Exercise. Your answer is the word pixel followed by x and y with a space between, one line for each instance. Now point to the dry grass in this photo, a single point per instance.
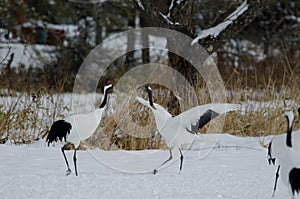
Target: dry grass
pixel 264 92
pixel 264 96
pixel 131 126
pixel 25 117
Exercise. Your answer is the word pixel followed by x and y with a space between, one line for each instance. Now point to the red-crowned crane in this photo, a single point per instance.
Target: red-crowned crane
pixel 77 127
pixel 180 130
pixel 286 149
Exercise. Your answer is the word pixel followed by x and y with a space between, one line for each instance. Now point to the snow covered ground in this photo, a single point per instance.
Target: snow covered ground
pixel 236 168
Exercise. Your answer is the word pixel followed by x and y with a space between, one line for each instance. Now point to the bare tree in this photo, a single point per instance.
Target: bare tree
pixel 182 16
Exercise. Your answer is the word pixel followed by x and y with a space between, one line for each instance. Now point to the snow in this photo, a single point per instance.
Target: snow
pixel 240 10
pixel 70 31
pixel 170 8
pixel 168 16
pixel 27 55
pixel 236 168
pixel 294 18
pixel 167 19
pixel 140 4
pixel 157 46
pixel 216 30
pixel 6 36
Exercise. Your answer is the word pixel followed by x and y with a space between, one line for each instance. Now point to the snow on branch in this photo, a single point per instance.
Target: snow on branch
pixel 216 30
pixel 293 18
pixel 170 9
pixel 240 10
pixel 166 18
pixel 139 3
pixel 173 5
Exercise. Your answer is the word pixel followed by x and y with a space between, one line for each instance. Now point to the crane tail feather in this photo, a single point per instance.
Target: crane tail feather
pixel 59 130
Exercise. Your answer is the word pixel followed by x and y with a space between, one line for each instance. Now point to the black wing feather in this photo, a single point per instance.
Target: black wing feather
pixel 59 130
pixel 204 119
pixel 294 178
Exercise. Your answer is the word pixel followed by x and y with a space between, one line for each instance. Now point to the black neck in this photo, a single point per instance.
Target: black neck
pixel 150 99
pixel 289 134
pixel 104 100
pixel 270 149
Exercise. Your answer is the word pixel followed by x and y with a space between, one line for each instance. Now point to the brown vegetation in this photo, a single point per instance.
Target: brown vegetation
pixel 265 92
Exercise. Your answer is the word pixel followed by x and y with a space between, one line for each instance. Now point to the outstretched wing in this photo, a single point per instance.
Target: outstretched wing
pixel 195 118
pixel 204 119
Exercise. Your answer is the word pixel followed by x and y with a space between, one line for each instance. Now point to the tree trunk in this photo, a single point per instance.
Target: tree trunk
pixel 183 14
pixel 145 40
pixel 129 60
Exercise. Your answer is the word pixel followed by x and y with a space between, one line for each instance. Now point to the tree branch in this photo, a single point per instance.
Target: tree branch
pixel 175 17
pixel 254 8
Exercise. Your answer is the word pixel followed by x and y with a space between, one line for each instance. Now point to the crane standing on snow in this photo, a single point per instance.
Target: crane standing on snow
pixel 77 127
pixel 286 149
pixel 181 129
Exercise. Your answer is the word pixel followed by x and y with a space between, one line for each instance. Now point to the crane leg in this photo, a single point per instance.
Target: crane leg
pixel 63 151
pixel 275 185
pixel 170 158
pixel 75 159
pixel 181 160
